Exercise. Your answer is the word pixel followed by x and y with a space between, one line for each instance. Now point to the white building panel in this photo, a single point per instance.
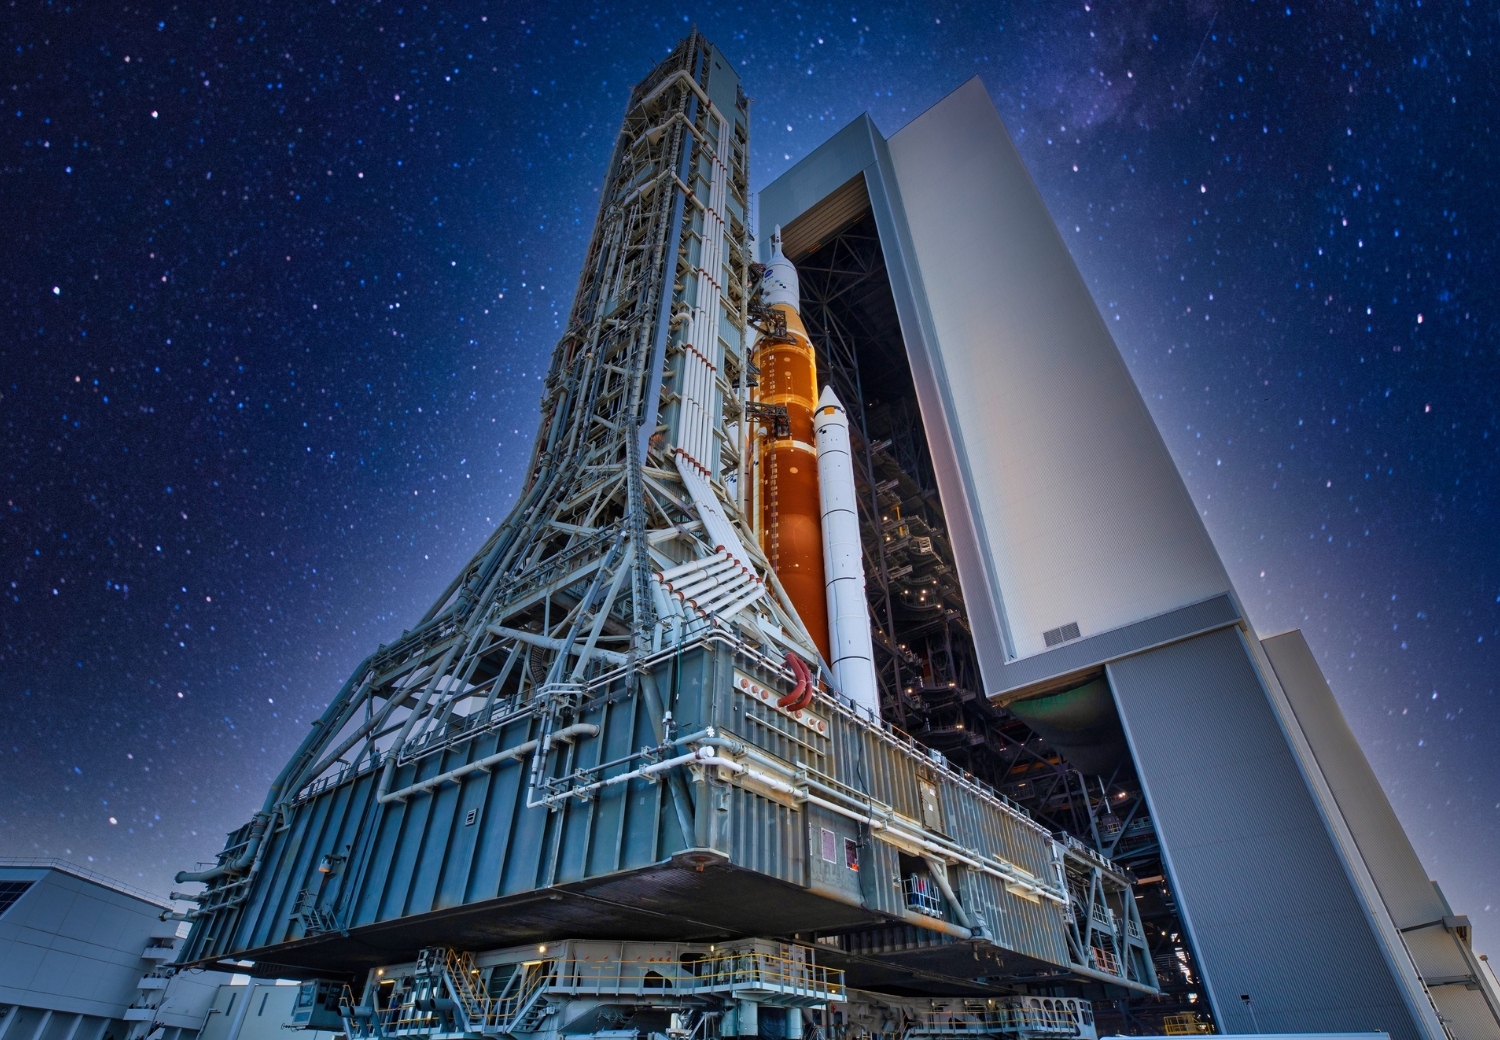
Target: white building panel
pixel 73 945
pixel 1080 509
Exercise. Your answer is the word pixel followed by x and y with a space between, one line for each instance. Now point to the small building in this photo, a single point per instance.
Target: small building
pixel 256 1009
pixel 84 957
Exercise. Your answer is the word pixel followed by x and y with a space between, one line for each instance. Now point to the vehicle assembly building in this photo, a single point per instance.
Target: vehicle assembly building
pixel 853 661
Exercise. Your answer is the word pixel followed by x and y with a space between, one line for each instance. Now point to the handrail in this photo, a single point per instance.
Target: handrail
pixel 1011 1017
pixel 66 867
pixel 739 969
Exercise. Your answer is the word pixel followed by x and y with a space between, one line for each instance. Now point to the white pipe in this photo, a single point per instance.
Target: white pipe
pixel 744 601
pixel 715 524
pixel 584 729
pixel 666 606
pixel 549 643
pixel 714 585
pixel 688 395
pixel 843 557
pixel 697 578
pixel 724 585
pixel 707 375
pixel 707 587
pixel 693 565
pixel 726 594
pixel 702 754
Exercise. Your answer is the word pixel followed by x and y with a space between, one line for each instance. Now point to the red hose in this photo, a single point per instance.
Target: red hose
pixel 806 677
pixel 802 694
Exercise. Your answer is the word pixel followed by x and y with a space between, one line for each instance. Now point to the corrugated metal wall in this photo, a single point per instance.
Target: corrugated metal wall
pixel 475 840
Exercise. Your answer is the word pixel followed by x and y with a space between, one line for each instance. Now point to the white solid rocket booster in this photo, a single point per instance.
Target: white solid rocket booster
pixel 843 559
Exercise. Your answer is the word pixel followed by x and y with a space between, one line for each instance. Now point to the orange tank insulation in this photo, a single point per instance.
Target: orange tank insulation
pixel 791 522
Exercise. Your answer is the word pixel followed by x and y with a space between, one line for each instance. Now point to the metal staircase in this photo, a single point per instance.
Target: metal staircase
pixel 445 996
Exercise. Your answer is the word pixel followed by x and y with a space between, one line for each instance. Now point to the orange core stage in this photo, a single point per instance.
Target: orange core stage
pixel 790 512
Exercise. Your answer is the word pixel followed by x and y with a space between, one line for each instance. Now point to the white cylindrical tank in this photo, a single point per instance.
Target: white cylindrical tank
pixel 843 558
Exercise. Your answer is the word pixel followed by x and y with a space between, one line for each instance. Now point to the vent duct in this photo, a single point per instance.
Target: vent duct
pixel 1055 636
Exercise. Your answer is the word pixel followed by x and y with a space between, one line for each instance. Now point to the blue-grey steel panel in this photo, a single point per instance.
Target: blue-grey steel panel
pixel 410 858
pixel 830 166
pixel 1262 887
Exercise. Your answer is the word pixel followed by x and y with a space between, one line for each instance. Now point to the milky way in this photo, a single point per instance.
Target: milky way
pixel 278 295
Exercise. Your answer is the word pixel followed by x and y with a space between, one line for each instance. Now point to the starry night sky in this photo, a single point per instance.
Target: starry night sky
pixel 278 290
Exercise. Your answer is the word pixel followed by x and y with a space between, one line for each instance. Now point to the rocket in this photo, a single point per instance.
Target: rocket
pixel 853 658
pixel 789 504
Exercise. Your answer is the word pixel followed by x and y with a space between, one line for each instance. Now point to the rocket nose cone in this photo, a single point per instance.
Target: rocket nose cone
pixel 829 411
pixel 779 283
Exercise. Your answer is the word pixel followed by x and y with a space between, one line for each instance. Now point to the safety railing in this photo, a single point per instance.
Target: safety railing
pixel 783 974
pixel 1184 1025
pixel 777 976
pixel 1106 961
pixel 922 895
pixel 51 863
pixel 1061 1019
pixel 345 773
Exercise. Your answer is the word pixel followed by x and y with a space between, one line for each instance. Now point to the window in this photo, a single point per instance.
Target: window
pixel 10 891
pixel 851 853
pixel 829 846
